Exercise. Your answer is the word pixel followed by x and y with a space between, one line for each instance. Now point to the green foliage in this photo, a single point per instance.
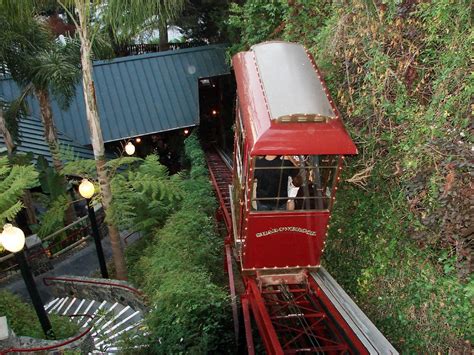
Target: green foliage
pixel 87 167
pixel 204 21
pixel 129 18
pixel 53 219
pixel 80 167
pixel 400 74
pixel 143 196
pixel 51 182
pixel 183 262
pixel 115 164
pixel 12 111
pixel 14 180
pixel 188 316
pixel 36 61
pixel 23 320
pixel 418 305
pixel 255 21
pixel 56 67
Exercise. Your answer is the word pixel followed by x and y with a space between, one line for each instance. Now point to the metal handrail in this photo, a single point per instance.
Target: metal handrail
pixel 104 283
pixel 63 229
pixel 53 346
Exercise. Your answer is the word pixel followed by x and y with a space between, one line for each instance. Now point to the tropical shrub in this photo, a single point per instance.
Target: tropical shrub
pixel 182 274
pixel 143 196
pixel 143 192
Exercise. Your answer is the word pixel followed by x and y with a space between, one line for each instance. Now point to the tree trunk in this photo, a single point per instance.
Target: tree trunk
pixel 7 137
pixel 163 30
pixel 82 7
pixel 51 136
pixel 30 211
pixel 50 133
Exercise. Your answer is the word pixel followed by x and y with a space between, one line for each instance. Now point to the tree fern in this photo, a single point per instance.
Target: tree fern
pixel 14 181
pixel 145 196
pixel 80 167
pixel 53 219
pixel 87 167
pixel 115 164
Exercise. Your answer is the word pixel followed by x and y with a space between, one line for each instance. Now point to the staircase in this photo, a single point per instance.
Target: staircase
pixel 108 321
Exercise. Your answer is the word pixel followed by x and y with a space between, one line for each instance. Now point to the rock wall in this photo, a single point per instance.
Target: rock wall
pixel 98 289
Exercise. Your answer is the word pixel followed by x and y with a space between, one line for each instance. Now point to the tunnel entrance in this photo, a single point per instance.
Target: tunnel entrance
pixel 216 111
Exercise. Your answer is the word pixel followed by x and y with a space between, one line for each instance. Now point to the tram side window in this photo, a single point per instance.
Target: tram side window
pixel 303 182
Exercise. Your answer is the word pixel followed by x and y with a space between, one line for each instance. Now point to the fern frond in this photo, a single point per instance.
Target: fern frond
pixel 83 167
pixel 53 219
pixel 143 197
pixel 114 164
pixel 68 153
pixel 15 181
pixel 11 212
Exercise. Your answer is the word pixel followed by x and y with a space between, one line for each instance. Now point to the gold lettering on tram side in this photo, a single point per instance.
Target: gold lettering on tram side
pixel 286 229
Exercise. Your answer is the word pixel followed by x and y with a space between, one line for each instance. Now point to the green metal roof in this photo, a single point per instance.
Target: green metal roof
pixel 140 94
pixel 31 138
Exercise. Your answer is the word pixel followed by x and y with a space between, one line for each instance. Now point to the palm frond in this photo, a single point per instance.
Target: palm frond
pixel 130 17
pixel 57 68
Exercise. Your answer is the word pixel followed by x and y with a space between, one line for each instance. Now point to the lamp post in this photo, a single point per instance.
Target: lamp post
pixel 13 240
pixel 86 189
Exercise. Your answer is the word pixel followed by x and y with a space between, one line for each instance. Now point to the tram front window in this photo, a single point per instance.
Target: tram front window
pixel 303 182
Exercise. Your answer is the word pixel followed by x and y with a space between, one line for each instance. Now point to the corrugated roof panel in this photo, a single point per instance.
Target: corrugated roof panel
pixel 137 90
pixel 140 94
pixel 161 95
pixel 32 140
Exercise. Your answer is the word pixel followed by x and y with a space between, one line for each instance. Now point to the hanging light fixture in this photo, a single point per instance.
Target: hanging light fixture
pixel 130 148
pixel 138 140
pixel 186 132
pixel 86 189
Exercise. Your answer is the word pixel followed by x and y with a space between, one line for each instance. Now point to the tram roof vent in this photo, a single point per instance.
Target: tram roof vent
pixel 292 86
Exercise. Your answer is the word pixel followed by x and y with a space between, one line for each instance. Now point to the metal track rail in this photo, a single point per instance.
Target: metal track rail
pixel 220 171
pixel 221 176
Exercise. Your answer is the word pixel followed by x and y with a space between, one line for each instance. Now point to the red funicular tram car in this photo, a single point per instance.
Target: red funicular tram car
pixel 289 150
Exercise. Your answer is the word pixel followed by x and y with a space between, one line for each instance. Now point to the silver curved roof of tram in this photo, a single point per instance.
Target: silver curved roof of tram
pixel 290 81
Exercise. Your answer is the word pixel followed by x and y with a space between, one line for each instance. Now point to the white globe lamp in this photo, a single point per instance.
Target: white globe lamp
pixel 12 238
pixel 130 148
pixel 86 189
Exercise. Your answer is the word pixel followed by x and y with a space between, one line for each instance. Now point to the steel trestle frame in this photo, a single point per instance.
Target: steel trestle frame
pixel 291 319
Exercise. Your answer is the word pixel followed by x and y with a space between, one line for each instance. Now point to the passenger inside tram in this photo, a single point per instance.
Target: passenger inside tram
pixel 272 173
pixel 303 182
